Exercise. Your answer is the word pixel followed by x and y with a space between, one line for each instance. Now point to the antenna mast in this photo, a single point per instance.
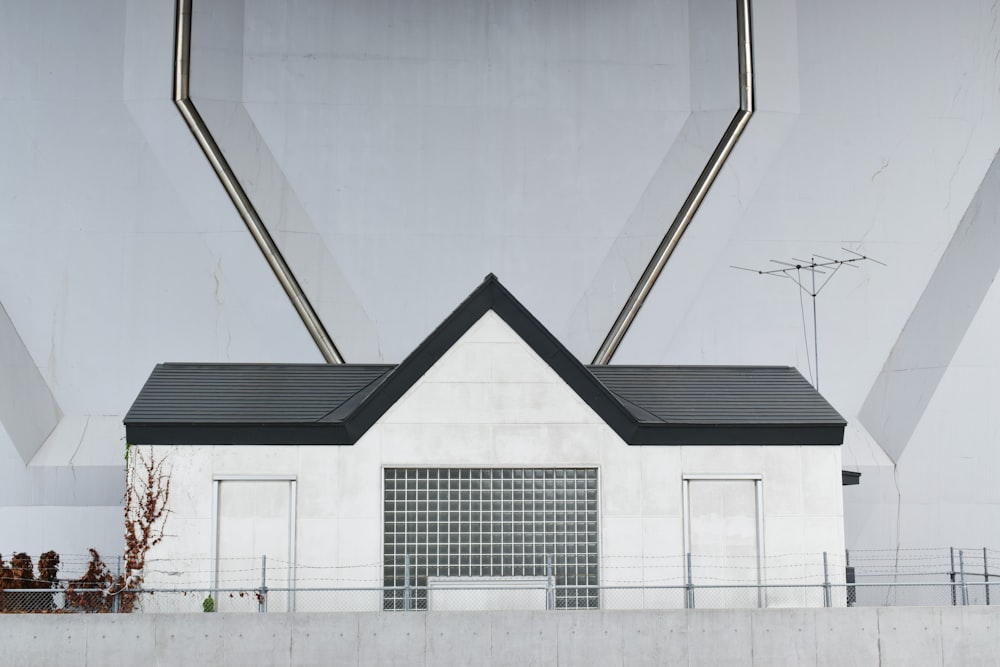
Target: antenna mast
pixel 817 264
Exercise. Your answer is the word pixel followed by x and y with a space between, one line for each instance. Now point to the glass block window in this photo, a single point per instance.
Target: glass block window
pixel 491 522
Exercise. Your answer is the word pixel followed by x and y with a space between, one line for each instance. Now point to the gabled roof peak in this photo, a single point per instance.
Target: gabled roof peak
pixel 491 295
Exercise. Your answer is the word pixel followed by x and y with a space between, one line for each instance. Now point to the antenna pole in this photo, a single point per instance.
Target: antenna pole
pixel 815 329
pixel 828 265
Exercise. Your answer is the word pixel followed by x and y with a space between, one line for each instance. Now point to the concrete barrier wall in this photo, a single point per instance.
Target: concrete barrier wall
pixel 885 636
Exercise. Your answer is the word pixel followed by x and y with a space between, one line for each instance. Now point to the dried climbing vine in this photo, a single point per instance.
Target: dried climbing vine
pixel 147 493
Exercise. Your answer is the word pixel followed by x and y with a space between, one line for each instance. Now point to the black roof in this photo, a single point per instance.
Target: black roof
pixel 205 404
pixel 717 394
pixel 336 404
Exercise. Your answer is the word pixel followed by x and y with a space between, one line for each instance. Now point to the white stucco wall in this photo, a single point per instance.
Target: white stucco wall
pixel 490 401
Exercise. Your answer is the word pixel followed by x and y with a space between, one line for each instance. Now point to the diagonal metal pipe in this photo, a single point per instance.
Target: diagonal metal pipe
pixel 701 187
pixel 182 98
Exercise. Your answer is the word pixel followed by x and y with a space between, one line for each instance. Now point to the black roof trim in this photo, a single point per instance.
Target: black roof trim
pixel 739 434
pixel 242 433
pixel 492 295
pixel 203 404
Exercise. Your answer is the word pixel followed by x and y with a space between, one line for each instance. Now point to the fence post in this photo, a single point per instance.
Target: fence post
pixel 761 582
pixel 849 578
pixel 550 582
pixel 262 602
pixel 986 574
pixel 407 591
pixel 116 600
pixel 961 569
pixel 826 582
pixel 951 575
pixel 689 586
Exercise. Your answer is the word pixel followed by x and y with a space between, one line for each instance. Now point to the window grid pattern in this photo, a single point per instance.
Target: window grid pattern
pixel 493 522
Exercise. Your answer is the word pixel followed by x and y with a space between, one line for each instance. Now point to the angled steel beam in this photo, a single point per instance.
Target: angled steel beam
pixel 182 98
pixel 701 187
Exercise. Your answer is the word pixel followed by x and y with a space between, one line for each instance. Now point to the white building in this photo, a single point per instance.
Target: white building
pixel 488 450
pixel 398 152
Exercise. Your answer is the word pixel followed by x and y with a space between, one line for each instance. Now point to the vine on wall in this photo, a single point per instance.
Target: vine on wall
pixel 147 493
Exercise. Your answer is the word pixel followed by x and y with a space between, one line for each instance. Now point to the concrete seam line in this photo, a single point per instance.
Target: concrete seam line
pixel 698 192
pixel 182 98
pixel 878 635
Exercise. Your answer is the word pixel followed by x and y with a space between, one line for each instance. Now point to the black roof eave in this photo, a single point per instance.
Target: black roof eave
pixel 326 433
pixel 202 433
pixel 738 434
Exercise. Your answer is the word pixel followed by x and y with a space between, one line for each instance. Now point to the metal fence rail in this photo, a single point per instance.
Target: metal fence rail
pixel 943 576
pixel 496 598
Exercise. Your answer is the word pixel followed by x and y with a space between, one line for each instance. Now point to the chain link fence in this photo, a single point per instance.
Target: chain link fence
pixel 492 598
pixel 948 576
pixel 920 577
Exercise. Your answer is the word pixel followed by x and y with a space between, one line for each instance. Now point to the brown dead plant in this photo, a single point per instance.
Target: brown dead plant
pixel 147 492
pixel 92 591
pixel 18 583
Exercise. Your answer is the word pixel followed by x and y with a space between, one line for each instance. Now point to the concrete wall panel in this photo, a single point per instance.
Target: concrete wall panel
pixel 28 411
pixel 463 639
pixel 581 640
pixel 969 640
pixel 910 635
pixel 784 636
pixel 654 638
pixel 859 636
pixel 36 640
pixel 248 638
pixel 318 640
pixel 537 127
pixel 120 640
pixel 847 637
pixel 526 638
pixel 185 639
pixel 391 639
pixel 720 637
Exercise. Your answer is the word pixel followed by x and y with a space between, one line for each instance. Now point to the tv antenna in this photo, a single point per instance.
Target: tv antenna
pixel 817 264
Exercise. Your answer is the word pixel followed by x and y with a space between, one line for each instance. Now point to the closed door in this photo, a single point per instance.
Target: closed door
pixel 723 532
pixel 254 520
